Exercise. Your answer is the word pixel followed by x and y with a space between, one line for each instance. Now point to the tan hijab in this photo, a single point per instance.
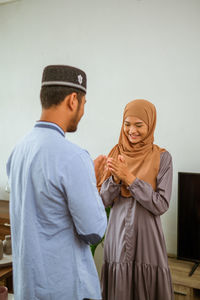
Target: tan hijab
pixel 143 158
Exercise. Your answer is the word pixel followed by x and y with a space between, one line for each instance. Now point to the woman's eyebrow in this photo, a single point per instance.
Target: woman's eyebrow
pixel 136 123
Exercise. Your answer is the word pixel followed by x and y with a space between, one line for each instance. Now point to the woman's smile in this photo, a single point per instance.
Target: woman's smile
pixel 133 137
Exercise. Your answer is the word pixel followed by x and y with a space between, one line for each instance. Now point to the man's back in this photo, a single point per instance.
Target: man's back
pixel 54 208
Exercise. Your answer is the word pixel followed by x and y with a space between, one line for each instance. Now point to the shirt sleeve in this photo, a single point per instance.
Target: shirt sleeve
pixel 84 201
pixel 110 190
pixel 157 202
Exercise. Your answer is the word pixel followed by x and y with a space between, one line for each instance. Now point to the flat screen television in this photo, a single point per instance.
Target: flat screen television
pixel 189 216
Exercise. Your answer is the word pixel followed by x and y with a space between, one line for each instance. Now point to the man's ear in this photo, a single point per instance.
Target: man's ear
pixel 71 101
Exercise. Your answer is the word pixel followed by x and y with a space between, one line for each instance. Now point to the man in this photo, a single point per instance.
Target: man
pixel 55 207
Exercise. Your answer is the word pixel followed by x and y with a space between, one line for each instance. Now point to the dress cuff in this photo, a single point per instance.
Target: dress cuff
pixel 133 185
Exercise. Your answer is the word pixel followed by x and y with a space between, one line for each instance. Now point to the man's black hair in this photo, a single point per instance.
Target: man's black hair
pixel 55 94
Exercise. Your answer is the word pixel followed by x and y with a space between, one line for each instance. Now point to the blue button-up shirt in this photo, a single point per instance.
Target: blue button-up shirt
pixel 55 212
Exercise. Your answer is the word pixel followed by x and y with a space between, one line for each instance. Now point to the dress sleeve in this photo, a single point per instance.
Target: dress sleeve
pixel 110 190
pixel 157 202
pixel 84 203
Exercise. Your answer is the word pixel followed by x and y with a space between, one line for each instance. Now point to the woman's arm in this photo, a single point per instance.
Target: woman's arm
pixel 157 202
pixel 110 190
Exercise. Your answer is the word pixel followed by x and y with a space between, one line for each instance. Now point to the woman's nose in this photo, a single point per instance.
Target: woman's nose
pixel 132 130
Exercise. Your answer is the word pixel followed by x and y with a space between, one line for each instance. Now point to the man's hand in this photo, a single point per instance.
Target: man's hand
pixel 99 166
pixel 119 170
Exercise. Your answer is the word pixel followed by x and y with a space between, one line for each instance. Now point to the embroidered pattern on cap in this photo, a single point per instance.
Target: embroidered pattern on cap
pixel 80 79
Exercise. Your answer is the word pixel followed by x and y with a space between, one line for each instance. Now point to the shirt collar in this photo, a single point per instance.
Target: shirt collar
pixel 50 125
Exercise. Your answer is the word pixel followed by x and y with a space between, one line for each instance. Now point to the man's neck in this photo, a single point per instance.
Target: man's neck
pixel 53 116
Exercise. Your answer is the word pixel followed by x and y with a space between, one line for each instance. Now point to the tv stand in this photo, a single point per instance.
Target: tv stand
pixel 185 287
pixel 195 266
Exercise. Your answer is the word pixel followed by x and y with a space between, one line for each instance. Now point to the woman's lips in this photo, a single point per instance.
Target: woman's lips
pixel 133 136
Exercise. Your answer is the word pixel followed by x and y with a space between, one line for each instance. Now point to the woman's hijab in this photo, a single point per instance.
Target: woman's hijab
pixel 143 158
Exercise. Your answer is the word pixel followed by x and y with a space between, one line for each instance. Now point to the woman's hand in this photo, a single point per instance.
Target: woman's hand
pixel 99 166
pixel 119 170
pixel 116 179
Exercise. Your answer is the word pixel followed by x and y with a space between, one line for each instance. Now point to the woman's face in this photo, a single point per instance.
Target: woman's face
pixel 135 129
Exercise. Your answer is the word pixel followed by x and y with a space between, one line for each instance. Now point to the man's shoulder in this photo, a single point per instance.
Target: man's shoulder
pixel 75 150
pixel 72 146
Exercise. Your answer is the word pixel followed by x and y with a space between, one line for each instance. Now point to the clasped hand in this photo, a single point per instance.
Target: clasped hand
pixel 120 171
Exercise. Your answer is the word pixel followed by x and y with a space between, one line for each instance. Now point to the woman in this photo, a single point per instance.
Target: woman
pixel 137 185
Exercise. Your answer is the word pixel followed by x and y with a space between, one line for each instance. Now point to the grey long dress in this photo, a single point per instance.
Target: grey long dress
pixel 135 258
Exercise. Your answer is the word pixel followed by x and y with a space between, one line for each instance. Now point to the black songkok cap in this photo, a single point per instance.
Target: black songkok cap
pixel 64 76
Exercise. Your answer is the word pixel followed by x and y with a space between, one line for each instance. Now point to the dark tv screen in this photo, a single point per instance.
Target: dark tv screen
pixel 189 216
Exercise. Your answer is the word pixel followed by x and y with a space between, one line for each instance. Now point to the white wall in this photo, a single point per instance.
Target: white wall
pixel 129 49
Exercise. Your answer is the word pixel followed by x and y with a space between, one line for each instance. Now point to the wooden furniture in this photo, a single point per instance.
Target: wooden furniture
pixel 4 219
pixel 185 287
pixel 6 278
pixel 6 272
